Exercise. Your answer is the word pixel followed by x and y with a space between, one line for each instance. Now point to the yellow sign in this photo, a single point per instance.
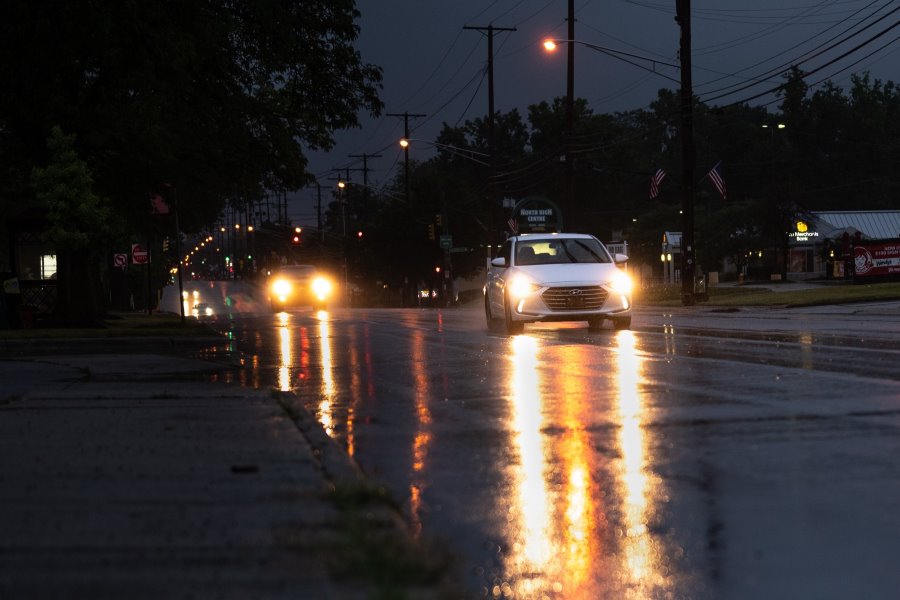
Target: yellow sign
pixel 802 227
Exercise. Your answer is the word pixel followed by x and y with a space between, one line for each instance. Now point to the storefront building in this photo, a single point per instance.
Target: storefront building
pixel 824 245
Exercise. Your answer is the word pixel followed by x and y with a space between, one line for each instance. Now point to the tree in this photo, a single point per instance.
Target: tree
pixel 219 99
pixel 81 225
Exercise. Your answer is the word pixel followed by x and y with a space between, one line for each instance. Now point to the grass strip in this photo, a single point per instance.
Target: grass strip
pixel 734 296
pixel 120 324
pixel 397 564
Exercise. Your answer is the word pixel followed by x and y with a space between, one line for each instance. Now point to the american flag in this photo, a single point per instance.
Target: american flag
pixel 715 175
pixel 655 181
pixel 513 225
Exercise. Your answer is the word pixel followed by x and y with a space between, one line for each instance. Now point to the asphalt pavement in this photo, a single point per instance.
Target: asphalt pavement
pixel 142 468
pixel 133 469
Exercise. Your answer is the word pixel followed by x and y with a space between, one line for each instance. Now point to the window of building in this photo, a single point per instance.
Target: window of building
pixel 48 266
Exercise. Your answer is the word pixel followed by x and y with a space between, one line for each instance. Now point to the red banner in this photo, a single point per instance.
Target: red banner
pixel 876 259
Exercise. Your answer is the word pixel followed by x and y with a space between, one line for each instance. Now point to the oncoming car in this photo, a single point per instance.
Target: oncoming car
pixel 556 277
pixel 299 285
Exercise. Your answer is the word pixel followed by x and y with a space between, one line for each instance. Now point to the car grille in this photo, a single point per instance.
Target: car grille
pixel 589 297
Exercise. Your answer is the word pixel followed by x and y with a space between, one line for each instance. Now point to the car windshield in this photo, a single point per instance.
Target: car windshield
pixel 298 272
pixel 560 251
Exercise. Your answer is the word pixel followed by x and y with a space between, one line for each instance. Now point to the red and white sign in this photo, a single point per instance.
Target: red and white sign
pixel 139 254
pixel 872 259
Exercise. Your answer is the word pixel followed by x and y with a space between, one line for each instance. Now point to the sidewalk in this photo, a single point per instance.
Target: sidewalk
pixel 125 473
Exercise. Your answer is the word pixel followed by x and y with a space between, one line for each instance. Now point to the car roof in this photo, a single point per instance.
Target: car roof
pixel 544 236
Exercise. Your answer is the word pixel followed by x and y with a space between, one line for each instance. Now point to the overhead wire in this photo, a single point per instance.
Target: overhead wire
pixel 795 46
pixel 819 50
pixel 807 73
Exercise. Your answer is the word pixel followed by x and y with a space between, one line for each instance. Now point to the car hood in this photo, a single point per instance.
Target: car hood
pixel 568 274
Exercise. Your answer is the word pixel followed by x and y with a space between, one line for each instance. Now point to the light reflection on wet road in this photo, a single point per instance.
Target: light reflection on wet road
pixel 664 462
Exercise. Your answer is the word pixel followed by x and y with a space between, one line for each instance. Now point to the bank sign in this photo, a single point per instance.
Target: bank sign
pixel 876 258
pixel 536 214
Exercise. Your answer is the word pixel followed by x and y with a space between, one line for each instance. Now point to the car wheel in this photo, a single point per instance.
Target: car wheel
pixel 595 324
pixel 512 327
pixel 621 323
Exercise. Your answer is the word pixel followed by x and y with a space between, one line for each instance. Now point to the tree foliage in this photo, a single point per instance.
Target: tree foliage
pixel 219 99
pixel 80 225
pixel 79 220
pixel 213 102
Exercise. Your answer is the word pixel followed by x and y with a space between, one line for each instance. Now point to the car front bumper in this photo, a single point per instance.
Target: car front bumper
pixel 563 304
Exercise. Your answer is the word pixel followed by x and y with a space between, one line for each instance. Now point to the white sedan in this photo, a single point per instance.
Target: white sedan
pixel 557 277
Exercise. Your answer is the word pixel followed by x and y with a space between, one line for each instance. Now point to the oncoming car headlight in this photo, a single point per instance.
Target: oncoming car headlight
pixel 520 287
pixel 321 287
pixel 620 283
pixel 281 287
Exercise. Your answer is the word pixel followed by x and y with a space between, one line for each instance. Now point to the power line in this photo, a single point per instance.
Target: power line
pixel 819 51
pixel 807 73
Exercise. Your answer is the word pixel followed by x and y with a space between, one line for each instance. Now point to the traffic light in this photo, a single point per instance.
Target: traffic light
pixel 431 231
pixel 439 219
pixel 295 238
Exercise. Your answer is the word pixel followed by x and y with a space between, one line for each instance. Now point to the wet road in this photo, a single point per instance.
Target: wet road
pixel 703 455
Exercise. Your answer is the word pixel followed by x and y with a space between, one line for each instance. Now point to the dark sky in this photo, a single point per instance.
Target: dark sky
pixel 433 66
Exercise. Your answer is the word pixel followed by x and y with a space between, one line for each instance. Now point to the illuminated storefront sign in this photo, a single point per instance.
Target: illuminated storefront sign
pixel 802 232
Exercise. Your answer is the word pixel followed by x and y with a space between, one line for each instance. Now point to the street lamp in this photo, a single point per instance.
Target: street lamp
pixel 465 153
pixel 341 185
pixel 550 45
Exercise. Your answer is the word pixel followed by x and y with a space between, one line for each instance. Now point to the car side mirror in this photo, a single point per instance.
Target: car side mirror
pixel 620 259
pixel 498 262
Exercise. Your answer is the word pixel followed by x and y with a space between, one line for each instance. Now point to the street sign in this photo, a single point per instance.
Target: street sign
pixel 446 241
pixel 139 254
pixel 120 260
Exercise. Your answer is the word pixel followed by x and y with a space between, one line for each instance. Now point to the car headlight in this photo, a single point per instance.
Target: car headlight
pixel 281 287
pixel 520 287
pixel 620 283
pixel 321 287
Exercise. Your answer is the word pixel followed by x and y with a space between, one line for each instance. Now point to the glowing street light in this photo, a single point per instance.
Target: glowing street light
pixel 465 153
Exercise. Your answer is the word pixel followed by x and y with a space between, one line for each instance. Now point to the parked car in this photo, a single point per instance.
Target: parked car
pixel 557 277
pixel 299 285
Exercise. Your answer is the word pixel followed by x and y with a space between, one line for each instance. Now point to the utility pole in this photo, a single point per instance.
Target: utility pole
pixel 319 211
pixel 342 201
pixel 569 205
pixel 406 116
pixel 683 17
pixel 492 147
pixel 365 171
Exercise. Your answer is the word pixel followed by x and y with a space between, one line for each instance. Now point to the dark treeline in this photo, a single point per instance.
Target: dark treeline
pixel 836 149
pixel 206 103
